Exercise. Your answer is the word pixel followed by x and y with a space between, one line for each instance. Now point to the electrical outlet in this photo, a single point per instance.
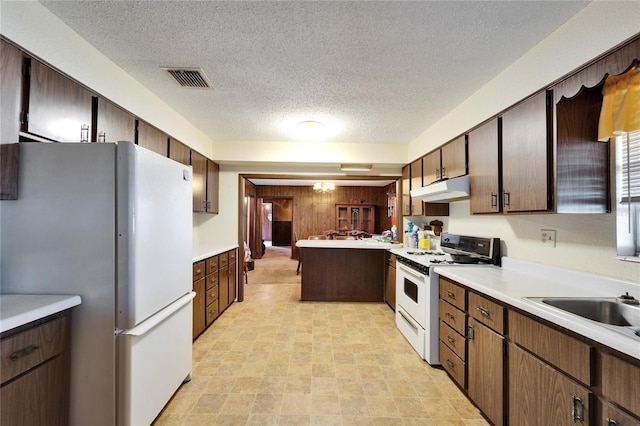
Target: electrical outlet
pixel 548 237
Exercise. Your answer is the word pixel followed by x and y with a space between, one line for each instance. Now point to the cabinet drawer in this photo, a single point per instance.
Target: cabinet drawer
pixel 26 350
pixel 223 260
pixel 212 280
pixel 487 312
pixel 612 416
pixel 558 349
pixel 212 312
pixel 621 383
pixel 212 264
pixel 212 295
pixel 453 293
pixel 232 256
pixel 453 340
pixel 453 364
pixel 198 270
pixel 453 317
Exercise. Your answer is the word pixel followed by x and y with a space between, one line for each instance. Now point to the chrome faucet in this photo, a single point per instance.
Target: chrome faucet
pixel 628 299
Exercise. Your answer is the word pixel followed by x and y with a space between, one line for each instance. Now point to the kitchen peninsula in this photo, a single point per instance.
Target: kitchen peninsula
pixel 343 270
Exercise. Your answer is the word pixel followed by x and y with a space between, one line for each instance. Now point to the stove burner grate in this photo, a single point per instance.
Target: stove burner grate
pixel 422 253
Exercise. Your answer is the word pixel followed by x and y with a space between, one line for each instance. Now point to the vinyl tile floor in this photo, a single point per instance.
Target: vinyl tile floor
pixel 274 360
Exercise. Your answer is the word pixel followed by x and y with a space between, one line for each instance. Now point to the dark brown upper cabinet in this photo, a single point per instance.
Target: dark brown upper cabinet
pixel 11 60
pixel 112 123
pixel 179 152
pixel 58 107
pixel 406 187
pixel 526 155
pixel 484 168
pixel 416 182
pixel 213 175
pixel 447 162
pixel 205 183
pixel 153 139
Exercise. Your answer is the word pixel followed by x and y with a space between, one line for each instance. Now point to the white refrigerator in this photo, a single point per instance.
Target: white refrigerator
pixel 113 224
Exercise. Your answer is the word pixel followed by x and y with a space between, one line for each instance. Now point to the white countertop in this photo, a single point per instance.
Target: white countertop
pixel 20 309
pixel 347 244
pixel 204 252
pixel 517 279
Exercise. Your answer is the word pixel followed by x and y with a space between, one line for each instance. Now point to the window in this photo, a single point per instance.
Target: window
pixel 628 195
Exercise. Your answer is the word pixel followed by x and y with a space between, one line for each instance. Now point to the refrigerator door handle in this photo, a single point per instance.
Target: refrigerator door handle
pixel 149 324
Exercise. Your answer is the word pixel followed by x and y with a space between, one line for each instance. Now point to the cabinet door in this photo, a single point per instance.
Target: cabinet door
pixel 431 168
pixel 406 187
pixel 199 166
pixel 11 89
pixel 179 152
pixel 198 307
pixel 454 158
pixel 46 385
pixel 525 155
pixel 342 218
pixel 213 171
pixel 116 123
pixel 416 182
pixel 153 139
pixel 541 395
pixel 484 166
pixel 233 281
pixel 367 220
pixel 58 106
pixel 485 370
pixel 223 291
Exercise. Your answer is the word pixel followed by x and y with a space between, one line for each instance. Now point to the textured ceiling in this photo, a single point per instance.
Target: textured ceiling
pixel 372 72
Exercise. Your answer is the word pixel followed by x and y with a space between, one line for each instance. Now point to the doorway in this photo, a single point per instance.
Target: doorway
pixel 277 221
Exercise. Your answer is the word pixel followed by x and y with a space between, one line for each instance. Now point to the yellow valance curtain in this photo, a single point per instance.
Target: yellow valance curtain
pixel 620 111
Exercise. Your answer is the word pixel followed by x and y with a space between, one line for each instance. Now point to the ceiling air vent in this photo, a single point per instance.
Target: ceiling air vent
pixel 190 77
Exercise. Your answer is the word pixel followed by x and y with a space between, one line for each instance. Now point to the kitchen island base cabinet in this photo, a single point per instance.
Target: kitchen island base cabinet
pixel 343 274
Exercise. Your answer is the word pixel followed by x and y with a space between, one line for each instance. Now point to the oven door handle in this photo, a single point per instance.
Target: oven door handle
pixel 409 271
pixel 408 320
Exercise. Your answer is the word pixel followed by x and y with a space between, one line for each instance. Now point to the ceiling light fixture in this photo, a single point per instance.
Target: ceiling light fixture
pixel 356 167
pixel 310 129
pixel 323 187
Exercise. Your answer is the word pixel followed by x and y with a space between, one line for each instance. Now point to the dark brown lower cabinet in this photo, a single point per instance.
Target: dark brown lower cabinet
pixel 35 373
pixel 541 395
pixel 612 416
pixel 214 281
pixel 198 308
pixel 485 363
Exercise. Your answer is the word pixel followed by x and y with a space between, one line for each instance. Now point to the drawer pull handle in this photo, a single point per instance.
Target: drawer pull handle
pixel 451 294
pixel 578 409
pixel 24 352
pixel 450 316
pixel 198 271
pixel 484 311
pixel 611 423
pixel 451 339
pixel 450 363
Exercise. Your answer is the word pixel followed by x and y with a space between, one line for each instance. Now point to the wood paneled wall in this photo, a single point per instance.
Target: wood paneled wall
pixel 314 213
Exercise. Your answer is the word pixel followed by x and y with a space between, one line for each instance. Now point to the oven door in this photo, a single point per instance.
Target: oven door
pixel 411 293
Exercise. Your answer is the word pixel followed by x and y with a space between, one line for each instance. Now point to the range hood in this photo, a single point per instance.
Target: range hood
pixel 444 191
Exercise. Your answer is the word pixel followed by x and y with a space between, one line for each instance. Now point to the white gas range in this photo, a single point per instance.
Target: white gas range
pixel 417 286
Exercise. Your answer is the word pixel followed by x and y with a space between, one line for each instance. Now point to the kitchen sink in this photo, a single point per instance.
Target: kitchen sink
pixel 608 311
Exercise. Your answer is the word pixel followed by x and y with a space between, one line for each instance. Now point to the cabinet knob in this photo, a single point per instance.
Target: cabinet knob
pixel 451 339
pixel 450 363
pixel 611 422
pixel 451 294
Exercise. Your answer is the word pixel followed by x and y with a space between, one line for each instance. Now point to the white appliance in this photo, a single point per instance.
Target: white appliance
pixel 113 224
pixel 417 286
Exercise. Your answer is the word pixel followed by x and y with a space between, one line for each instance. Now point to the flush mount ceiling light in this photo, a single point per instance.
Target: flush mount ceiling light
pixel 310 129
pixel 356 167
pixel 323 187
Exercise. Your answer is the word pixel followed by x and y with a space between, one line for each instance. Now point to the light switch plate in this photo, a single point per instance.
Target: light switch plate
pixel 548 237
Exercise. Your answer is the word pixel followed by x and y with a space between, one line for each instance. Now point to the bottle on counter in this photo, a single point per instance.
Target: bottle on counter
pixel 415 236
pixel 394 233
